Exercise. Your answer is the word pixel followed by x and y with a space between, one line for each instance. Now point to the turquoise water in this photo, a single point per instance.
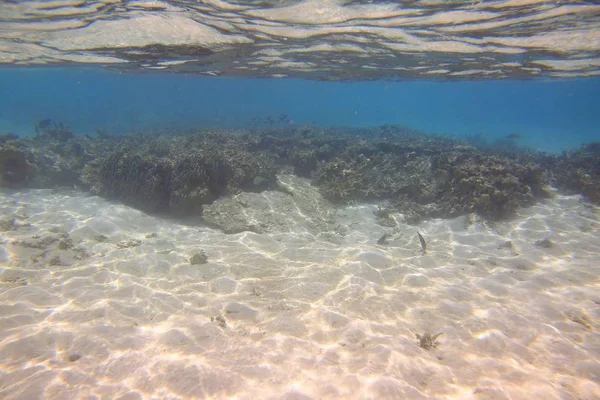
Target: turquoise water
pixel 489 68
pixel 552 115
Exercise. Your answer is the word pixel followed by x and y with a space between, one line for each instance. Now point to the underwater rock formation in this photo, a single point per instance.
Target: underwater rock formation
pixel 295 205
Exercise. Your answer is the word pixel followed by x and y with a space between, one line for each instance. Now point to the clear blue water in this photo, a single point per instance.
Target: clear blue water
pixel 552 115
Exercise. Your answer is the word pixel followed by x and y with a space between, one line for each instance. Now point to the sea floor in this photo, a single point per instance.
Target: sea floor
pixel 100 301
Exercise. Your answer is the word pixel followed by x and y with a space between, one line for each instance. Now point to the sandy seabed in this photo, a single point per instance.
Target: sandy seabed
pixel 100 301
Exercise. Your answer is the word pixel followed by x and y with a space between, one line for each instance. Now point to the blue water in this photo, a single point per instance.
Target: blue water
pixel 552 115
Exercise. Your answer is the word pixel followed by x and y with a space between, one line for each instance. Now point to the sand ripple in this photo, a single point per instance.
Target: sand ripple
pixel 103 301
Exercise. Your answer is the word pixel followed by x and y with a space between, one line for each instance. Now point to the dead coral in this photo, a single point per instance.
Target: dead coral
pixel 199 258
pixel 426 341
pixel 129 243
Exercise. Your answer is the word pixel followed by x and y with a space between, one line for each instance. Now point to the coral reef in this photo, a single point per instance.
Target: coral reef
pixel 140 181
pixel 411 174
pixel 178 175
pixel 426 176
pixel 493 186
pixel 15 170
pixel 55 157
pixel 54 130
pixel 578 171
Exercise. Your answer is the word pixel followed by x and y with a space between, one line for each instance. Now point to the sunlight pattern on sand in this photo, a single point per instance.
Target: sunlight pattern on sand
pixel 100 299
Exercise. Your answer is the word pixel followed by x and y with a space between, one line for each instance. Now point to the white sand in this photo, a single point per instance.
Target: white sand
pixel 307 316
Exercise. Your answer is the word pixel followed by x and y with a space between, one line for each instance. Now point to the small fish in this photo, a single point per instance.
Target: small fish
pixel 514 136
pixel 423 243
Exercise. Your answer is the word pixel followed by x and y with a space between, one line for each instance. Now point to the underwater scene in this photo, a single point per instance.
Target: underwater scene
pixel 300 199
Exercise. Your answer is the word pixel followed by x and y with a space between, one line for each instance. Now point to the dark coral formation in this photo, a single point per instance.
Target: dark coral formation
pixel 418 175
pixel 140 181
pixel 455 181
pixel 177 175
pixel 56 131
pixel 15 170
pixel 48 160
pixel 579 172
pixel 493 186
